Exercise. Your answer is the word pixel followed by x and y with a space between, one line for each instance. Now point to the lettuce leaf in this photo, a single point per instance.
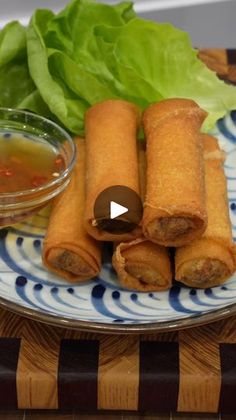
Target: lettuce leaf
pixel 163 58
pixel 15 80
pixel 63 63
pixel 16 85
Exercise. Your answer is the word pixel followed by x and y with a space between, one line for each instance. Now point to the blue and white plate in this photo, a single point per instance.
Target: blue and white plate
pixel 101 304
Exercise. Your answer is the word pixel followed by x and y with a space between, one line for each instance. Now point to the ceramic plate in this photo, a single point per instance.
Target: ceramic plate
pixel 101 304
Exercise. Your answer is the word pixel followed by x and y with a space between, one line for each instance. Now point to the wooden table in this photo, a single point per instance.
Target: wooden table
pixel 69 415
pixel 43 367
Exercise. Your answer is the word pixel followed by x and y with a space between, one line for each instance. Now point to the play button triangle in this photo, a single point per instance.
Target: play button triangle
pixel 117 210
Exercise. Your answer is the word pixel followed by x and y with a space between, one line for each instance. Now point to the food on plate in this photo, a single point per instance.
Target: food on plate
pixel 68 250
pixel 111 159
pixel 20 166
pixel 210 260
pixel 174 206
pixel 96 79
pixel 140 264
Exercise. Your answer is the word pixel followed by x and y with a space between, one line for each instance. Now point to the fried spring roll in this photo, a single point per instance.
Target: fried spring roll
pixel 68 250
pixel 174 207
pixel 210 260
pixel 140 264
pixel 111 150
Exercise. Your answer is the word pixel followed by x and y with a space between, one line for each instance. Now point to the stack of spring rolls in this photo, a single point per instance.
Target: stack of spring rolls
pixel 178 173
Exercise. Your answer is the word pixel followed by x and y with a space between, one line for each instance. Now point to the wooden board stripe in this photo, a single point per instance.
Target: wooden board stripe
pixel 226 330
pixel 222 61
pixel 37 366
pixel 9 352
pixel 231 55
pixel 199 370
pixel 216 60
pixel 228 373
pixel 159 376
pixel 118 373
pixel 77 374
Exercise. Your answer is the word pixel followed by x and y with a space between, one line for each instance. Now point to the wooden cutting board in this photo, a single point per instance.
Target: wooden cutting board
pixel 193 370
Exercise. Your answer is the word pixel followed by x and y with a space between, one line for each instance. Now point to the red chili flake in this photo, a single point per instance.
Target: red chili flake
pixel 2 169
pixel 38 180
pixel 59 160
pixel 4 172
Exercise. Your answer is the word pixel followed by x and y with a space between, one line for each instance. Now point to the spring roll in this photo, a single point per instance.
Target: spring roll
pixel 140 264
pixel 68 250
pixel 210 260
pixel 111 150
pixel 174 208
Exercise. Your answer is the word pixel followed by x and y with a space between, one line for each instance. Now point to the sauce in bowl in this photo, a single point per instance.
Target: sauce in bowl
pixel 37 157
pixel 27 162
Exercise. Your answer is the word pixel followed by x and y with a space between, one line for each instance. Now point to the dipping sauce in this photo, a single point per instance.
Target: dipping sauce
pixel 27 164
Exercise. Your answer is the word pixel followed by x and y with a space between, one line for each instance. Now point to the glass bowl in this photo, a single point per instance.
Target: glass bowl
pixel 16 206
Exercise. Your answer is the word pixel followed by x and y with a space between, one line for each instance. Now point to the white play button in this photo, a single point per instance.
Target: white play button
pixel 117 210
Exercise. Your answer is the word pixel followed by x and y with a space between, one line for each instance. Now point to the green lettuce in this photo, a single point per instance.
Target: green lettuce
pixel 17 88
pixel 15 80
pixel 90 52
pixel 65 62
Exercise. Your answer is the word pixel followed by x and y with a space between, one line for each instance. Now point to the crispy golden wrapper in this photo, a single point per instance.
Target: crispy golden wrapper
pixel 111 150
pixel 211 259
pixel 140 264
pixel 174 207
pixel 68 250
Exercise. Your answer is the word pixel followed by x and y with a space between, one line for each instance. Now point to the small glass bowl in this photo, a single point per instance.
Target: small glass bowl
pixel 16 206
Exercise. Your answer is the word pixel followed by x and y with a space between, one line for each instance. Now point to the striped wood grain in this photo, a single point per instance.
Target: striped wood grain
pixel 118 373
pixel 77 374
pixel 200 375
pixel 226 330
pixel 38 365
pixel 216 60
pixel 222 61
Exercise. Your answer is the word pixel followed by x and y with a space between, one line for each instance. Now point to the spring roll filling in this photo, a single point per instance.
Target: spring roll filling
pixel 170 228
pixel 143 273
pixel 205 271
pixel 118 226
pixel 70 262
